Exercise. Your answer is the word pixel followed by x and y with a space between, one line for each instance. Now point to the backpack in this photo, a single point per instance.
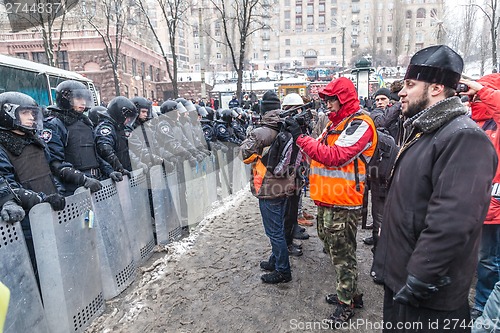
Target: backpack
pixel 379 168
pixel 283 156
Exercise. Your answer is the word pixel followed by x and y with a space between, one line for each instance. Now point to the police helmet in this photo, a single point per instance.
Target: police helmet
pixel 168 106
pixel 228 115
pixel 122 110
pixel 68 91
pixel 20 111
pixel 187 104
pixel 202 111
pixel 210 113
pixel 143 103
pixel 96 114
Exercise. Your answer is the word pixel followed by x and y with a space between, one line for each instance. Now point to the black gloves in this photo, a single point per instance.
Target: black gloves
pixel 415 290
pixel 93 184
pixel 116 176
pixel 56 201
pixel 125 173
pixel 11 212
pixel 292 126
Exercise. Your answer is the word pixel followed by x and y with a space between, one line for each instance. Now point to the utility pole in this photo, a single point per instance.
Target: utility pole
pixel 202 54
pixel 343 45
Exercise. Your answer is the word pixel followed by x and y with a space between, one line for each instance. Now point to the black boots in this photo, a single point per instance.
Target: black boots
pixel 276 277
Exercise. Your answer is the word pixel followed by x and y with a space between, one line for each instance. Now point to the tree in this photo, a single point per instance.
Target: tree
pixel 398 29
pixel 490 10
pixel 173 12
pixel 115 15
pixel 47 17
pixel 245 17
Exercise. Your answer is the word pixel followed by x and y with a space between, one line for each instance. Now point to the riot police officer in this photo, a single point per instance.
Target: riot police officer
pixel 111 134
pixel 223 130
pixel 69 135
pixel 24 158
pixel 143 148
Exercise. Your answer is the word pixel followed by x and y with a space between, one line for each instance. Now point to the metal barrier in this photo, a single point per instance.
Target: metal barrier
pixel 195 178
pixel 210 189
pixel 134 199
pixel 68 265
pixel 113 242
pixel 167 221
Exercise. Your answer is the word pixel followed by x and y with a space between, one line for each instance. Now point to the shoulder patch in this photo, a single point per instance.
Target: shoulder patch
pixel 165 129
pixel 46 135
pixel 222 129
pixel 105 130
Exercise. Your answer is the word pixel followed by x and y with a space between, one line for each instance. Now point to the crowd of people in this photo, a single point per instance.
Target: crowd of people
pixel 435 208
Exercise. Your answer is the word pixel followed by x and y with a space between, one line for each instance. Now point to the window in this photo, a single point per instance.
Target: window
pixel 310 9
pixel 420 13
pixel 255 55
pixel 287 53
pixel 419 36
pixel 217 44
pixel 62 60
pixel 333 51
pixel 389 39
pixel 288 25
pixel 196 45
pixel 219 56
pixel 321 41
pixel 298 9
pixel 136 92
pixel 379 28
pixel 298 41
pixel 287 15
pixel 124 63
pixel 22 55
pixel 334 2
pixel 333 40
pixel 379 40
pixel 333 12
pixel 388 52
pixel 321 20
pixel 407 25
pixel 408 14
pixel 196 56
pixel 40 57
pixel 158 75
pixel 134 67
pixel 310 20
pixel 287 41
pixel 321 7
pixel 300 53
pixel 287 3
pixel 298 20
pixel 419 24
pixel 389 28
pixel 125 91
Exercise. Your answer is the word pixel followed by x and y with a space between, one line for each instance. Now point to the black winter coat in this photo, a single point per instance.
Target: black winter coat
pixel 437 201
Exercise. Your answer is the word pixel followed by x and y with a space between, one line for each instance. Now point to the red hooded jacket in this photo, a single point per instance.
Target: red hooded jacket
pixel 487 115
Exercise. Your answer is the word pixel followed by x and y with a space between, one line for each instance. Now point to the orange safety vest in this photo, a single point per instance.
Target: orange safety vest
pixel 342 186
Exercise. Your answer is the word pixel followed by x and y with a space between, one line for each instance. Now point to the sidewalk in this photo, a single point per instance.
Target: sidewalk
pixel 210 282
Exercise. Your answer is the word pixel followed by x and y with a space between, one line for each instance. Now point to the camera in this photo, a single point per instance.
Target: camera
pixel 304 118
pixel 462 87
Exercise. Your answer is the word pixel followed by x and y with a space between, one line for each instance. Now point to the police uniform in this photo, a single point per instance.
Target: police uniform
pixel 109 134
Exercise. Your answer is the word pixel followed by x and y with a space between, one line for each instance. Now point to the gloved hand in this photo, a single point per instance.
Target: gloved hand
pixel 125 172
pixel 173 159
pixel 93 184
pixel 169 166
pixel 415 291
pixel 116 176
pixel 192 161
pixel 144 167
pixel 56 201
pixel 292 126
pixel 199 157
pixel 156 160
pixel 11 212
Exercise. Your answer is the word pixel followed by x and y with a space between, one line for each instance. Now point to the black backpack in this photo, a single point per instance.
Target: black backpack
pixel 379 168
pixel 283 156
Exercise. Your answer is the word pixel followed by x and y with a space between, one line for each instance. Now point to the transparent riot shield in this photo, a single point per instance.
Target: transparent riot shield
pixel 68 264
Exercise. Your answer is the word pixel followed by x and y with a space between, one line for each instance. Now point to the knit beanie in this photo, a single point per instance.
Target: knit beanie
pixel 383 91
pixel 270 101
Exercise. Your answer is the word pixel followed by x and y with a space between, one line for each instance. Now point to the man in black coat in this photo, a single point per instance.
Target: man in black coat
pixel 438 198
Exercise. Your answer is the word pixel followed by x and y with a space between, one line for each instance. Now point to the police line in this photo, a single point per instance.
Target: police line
pixel 88 253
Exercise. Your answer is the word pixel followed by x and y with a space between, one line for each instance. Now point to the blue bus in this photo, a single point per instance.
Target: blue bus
pixel 37 80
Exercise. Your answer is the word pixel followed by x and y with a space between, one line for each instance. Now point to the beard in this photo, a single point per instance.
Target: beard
pixel 416 106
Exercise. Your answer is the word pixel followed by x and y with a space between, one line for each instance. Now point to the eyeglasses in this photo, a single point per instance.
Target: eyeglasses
pixel 331 99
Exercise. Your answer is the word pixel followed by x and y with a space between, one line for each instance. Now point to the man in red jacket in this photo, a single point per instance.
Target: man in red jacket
pixel 337 181
pixel 485 106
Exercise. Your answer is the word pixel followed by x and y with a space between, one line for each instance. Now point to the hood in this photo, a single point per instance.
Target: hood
pixel 272 119
pixel 344 89
pixel 480 111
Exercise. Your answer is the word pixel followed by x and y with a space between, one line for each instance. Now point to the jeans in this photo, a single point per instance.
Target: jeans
pixel 488 267
pixel 273 214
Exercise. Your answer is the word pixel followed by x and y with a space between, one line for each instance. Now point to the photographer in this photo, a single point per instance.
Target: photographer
pixel 272 189
pixel 337 181
pixel 484 96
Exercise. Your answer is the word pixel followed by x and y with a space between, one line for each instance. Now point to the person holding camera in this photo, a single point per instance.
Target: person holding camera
pixel 484 96
pixel 270 186
pixel 438 197
pixel 337 181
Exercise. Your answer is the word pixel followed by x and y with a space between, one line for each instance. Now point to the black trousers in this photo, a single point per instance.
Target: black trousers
pixel 408 319
pixel 378 203
pixel 291 212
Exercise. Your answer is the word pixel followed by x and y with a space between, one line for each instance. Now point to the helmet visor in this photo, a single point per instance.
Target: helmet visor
pixel 81 100
pixel 25 117
pixel 130 117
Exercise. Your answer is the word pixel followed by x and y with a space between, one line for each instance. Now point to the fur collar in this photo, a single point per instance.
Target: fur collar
pixel 15 143
pixel 437 115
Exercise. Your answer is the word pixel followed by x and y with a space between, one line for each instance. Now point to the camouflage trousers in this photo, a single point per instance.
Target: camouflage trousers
pixel 337 229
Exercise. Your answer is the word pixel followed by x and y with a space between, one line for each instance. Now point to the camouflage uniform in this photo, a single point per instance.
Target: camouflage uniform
pixel 337 229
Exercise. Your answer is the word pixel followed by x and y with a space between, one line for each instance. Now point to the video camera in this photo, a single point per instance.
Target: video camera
pixel 304 118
